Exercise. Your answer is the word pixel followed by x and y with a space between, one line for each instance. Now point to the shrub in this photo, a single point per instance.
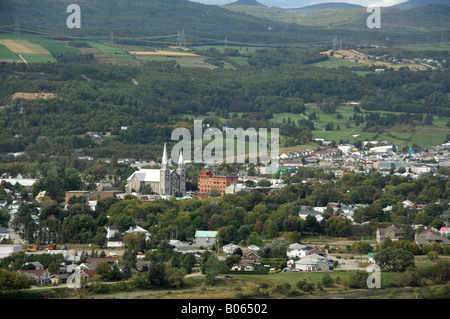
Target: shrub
pixel 327 280
pixel 282 288
pixel 308 287
pixel 358 280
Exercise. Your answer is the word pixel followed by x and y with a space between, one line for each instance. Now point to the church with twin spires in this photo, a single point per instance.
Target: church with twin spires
pixel 163 181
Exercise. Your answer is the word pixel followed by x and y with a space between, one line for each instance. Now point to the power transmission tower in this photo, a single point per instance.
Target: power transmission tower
pixel 17 30
pixel 181 39
pixel 226 42
pixel 111 38
pixel 335 44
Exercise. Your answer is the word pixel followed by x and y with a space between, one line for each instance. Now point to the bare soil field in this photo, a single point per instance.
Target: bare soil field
pixel 163 53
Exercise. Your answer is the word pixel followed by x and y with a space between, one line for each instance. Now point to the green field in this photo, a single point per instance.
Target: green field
pixel 50 45
pixel 239 61
pixel 111 50
pixel 242 49
pixel 6 54
pixel 426 47
pixel 38 58
pixel 315 277
pixel 335 63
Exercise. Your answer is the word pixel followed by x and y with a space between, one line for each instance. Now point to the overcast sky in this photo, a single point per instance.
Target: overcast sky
pixel 302 3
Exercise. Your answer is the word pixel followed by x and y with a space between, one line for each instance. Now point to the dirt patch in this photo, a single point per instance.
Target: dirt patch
pixel 163 53
pixel 33 96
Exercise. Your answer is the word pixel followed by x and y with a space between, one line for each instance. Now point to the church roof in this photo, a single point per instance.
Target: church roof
pixel 146 175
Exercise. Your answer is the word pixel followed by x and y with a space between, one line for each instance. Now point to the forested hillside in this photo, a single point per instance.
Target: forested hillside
pixel 103 98
pixel 158 22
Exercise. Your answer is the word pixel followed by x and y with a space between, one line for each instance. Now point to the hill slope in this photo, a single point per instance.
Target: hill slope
pixel 419 3
pixel 329 6
pixel 424 19
pixel 245 3
pixel 132 17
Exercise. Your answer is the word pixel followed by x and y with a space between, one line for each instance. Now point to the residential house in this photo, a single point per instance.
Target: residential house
pixel 35 265
pixel 248 261
pixel 112 231
pixel 305 213
pixel 205 238
pixel 138 230
pixel 254 247
pixel 391 232
pixel 431 236
pixel 184 249
pixel 229 249
pixel 114 243
pixel 88 272
pixel 297 250
pixel 445 231
pixel 38 277
pixel 4 233
pixel 313 262
pixel 320 252
pixel 3 204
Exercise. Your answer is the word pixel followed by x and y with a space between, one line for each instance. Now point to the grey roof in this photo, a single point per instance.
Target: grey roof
pixel 430 237
pixel 184 249
pixel 146 175
pixel 4 230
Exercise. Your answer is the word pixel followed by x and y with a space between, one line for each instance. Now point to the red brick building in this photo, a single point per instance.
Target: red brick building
pixel 208 181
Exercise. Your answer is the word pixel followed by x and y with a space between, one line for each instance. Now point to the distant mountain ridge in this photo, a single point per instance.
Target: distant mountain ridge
pixel 419 3
pixel 245 3
pixel 329 6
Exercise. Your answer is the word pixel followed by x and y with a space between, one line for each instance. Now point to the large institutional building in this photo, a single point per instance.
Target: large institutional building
pixel 164 181
pixel 208 181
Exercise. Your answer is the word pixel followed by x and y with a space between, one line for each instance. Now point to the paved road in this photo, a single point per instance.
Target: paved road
pixel 15 237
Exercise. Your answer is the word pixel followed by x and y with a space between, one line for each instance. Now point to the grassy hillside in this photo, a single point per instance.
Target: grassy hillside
pixel 429 18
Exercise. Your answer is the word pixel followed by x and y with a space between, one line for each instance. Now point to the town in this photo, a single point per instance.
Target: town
pixel 325 210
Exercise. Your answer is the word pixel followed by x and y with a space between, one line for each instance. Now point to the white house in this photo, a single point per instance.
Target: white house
pixel 111 231
pixel 305 213
pixel 175 242
pixel 138 230
pixel 114 243
pixel 4 233
pixel 297 250
pixel 254 247
pixel 230 249
pixel 313 263
pixel 306 264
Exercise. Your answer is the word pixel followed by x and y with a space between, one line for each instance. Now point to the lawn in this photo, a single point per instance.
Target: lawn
pixel 315 277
